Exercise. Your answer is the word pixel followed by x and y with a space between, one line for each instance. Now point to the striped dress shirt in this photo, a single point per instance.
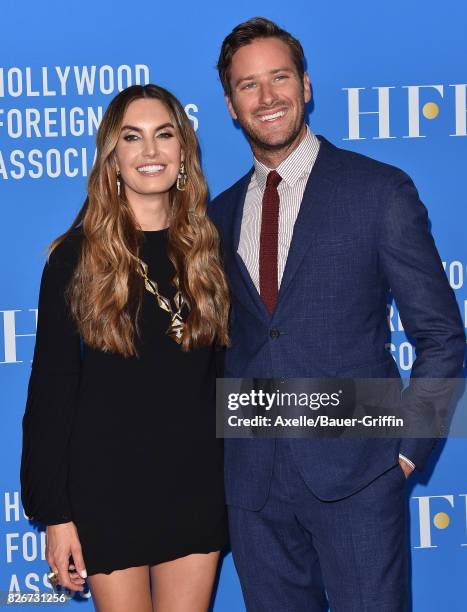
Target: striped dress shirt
pixel 294 170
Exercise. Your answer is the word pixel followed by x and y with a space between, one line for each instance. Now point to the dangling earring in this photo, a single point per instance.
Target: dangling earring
pixel 182 178
pixel 118 183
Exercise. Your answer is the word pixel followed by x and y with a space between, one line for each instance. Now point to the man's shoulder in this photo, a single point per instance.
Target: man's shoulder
pixel 362 167
pixel 229 196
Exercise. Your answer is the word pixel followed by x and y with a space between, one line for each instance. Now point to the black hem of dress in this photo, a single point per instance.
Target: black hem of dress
pixel 203 550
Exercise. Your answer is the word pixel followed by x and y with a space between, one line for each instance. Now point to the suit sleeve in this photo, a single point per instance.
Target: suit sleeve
pixel 52 397
pixel 427 307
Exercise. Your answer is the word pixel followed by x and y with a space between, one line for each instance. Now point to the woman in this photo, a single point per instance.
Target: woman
pixel 120 458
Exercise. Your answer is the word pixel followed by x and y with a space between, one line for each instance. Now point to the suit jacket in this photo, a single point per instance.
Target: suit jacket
pixel 361 230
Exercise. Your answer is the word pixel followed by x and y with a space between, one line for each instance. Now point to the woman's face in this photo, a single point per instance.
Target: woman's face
pixel 148 152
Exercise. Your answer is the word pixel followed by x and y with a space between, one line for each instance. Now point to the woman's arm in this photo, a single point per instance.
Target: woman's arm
pixel 52 396
pixel 48 419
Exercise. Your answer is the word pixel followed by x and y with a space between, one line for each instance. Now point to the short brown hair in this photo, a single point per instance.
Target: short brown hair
pixel 247 32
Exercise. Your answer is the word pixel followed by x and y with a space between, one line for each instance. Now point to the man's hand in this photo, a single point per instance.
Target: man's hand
pixel 405 467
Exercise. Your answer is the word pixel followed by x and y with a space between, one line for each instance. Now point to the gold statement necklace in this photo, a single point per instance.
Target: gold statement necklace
pixel 175 329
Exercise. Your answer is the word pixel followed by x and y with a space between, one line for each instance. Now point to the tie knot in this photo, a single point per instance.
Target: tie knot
pixel 273 180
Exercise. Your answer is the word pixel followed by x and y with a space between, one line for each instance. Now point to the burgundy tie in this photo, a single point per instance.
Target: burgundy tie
pixel 268 282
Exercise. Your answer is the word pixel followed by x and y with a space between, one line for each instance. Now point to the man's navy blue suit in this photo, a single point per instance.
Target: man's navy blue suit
pixel 360 232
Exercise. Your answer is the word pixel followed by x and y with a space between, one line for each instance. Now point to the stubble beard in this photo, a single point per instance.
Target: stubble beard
pixel 258 143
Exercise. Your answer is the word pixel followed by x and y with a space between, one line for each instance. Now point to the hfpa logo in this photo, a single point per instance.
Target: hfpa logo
pixel 439 511
pixel 379 100
pixel 12 320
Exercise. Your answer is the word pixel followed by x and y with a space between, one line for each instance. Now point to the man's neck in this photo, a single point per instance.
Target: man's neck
pixel 273 158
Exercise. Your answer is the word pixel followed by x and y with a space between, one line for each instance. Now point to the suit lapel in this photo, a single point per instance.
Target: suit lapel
pixel 318 195
pixel 317 198
pixel 241 280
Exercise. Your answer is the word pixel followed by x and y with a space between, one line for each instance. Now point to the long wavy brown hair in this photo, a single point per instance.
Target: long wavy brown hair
pixel 105 292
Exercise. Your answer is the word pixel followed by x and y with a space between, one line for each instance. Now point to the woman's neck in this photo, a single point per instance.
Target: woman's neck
pixel 150 213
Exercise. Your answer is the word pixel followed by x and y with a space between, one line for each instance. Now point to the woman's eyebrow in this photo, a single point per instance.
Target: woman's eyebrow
pixel 137 129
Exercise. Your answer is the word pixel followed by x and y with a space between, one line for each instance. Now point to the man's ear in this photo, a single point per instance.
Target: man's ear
pixel 230 106
pixel 306 88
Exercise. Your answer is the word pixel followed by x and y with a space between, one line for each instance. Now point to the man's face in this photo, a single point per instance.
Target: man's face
pixel 268 97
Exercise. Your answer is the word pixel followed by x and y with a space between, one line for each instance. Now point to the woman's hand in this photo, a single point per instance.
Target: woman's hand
pixel 63 541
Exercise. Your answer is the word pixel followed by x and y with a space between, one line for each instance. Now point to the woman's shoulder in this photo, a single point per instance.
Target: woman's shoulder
pixel 67 252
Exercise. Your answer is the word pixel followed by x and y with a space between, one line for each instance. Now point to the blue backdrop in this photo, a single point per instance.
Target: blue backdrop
pixel 389 81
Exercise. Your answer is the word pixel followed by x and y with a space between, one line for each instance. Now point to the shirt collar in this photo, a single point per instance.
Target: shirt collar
pixel 301 160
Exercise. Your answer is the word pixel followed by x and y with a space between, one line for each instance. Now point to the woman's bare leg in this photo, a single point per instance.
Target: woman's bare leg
pixel 122 590
pixel 185 584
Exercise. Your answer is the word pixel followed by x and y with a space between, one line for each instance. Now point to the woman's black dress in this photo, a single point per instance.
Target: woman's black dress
pixel 126 448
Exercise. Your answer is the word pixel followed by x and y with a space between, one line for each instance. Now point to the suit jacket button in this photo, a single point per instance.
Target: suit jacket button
pixel 274 333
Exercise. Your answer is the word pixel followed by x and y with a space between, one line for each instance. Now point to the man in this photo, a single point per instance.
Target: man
pixel 313 237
